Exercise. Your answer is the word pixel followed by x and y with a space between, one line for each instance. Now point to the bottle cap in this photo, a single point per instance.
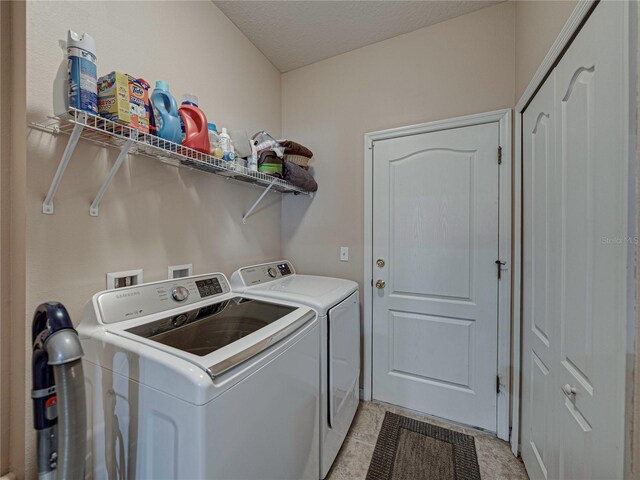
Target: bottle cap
pixel 212 126
pixel 83 41
pixel 224 130
pixel 190 99
pixel 162 85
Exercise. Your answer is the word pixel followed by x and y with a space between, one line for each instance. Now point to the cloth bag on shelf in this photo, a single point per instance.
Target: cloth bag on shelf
pixel 299 177
pixel 296 153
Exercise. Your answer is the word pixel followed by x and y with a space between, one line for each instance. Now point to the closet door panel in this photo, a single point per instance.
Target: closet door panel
pixel 593 249
pixel 540 225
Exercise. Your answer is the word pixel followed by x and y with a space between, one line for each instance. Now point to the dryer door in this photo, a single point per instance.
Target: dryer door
pixel 344 355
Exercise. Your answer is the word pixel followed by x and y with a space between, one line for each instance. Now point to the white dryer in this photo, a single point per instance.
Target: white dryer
pixel 337 303
pixel 186 379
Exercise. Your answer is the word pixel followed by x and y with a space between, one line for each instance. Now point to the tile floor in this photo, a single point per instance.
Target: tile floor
pixel 494 456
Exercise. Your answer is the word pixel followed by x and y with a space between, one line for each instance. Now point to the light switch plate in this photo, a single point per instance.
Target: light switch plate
pixel 344 254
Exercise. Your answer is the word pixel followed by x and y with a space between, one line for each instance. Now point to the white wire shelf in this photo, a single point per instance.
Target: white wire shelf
pixel 79 124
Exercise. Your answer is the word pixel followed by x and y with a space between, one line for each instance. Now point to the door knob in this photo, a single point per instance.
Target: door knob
pixel 380 284
pixel 568 390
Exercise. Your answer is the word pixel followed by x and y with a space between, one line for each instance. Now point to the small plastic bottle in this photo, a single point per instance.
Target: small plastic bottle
pixel 252 161
pixel 224 141
pixel 214 138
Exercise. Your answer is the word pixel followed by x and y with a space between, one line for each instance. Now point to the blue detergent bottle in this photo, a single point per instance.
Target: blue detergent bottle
pixel 165 110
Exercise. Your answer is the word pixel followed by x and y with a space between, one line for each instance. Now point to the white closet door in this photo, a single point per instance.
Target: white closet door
pixel 575 257
pixel 593 251
pixel 539 287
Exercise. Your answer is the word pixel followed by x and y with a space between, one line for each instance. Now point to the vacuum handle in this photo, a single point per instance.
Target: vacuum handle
pixel 49 318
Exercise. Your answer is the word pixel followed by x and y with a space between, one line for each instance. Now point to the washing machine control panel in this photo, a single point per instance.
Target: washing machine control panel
pixel 140 300
pixel 266 273
pixel 209 286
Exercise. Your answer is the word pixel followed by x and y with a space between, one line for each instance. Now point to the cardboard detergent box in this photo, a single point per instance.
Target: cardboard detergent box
pixel 124 99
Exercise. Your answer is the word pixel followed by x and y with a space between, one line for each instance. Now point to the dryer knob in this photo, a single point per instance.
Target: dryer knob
pixel 272 272
pixel 180 294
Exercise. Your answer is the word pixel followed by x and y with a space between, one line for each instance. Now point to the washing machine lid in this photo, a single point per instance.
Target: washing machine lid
pixel 204 330
pixel 218 337
pixel 278 280
pixel 187 347
pixel 320 293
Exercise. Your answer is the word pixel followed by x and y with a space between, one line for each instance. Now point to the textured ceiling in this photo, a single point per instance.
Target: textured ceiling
pixel 292 34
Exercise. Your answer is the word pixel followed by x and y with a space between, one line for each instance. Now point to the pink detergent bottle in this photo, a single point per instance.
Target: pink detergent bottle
pixel 196 131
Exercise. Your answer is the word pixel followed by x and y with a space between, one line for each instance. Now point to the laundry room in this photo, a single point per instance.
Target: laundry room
pixel 282 239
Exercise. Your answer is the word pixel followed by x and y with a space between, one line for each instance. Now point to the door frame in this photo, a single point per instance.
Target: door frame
pixel 503 118
pixel 574 23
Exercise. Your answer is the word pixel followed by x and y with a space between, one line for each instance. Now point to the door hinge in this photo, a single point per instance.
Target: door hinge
pixel 499 155
pixel 498 384
pixel 500 264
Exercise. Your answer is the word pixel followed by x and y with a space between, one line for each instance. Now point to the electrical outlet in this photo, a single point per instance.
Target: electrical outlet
pixel 124 279
pixel 179 271
pixel 344 254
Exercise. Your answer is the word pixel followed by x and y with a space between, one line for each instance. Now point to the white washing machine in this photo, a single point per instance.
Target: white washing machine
pixel 188 380
pixel 337 304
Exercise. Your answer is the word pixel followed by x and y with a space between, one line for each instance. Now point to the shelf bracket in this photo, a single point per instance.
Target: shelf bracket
pixel 124 151
pixel 47 205
pixel 253 207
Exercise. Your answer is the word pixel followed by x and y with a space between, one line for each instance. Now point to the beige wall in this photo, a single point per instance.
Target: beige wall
pixel 634 438
pixel 4 294
pixel 458 67
pixel 153 215
pixel 5 140
pixel 12 240
pixel 538 23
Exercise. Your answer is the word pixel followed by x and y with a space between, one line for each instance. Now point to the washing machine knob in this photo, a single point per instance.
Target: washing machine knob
pixel 272 272
pixel 180 294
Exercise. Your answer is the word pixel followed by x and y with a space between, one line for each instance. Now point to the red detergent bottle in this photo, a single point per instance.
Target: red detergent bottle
pixel 196 132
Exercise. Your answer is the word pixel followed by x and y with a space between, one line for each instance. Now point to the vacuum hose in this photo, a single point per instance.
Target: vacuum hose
pixel 58 394
pixel 72 425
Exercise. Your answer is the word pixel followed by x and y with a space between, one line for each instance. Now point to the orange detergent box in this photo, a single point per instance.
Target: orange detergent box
pixel 124 99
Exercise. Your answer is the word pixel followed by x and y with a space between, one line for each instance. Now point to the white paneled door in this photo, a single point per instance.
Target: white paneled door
pixel 539 287
pixel 435 246
pixel 575 245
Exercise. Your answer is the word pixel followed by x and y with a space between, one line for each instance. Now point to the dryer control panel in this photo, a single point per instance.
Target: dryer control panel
pixel 146 299
pixel 265 273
